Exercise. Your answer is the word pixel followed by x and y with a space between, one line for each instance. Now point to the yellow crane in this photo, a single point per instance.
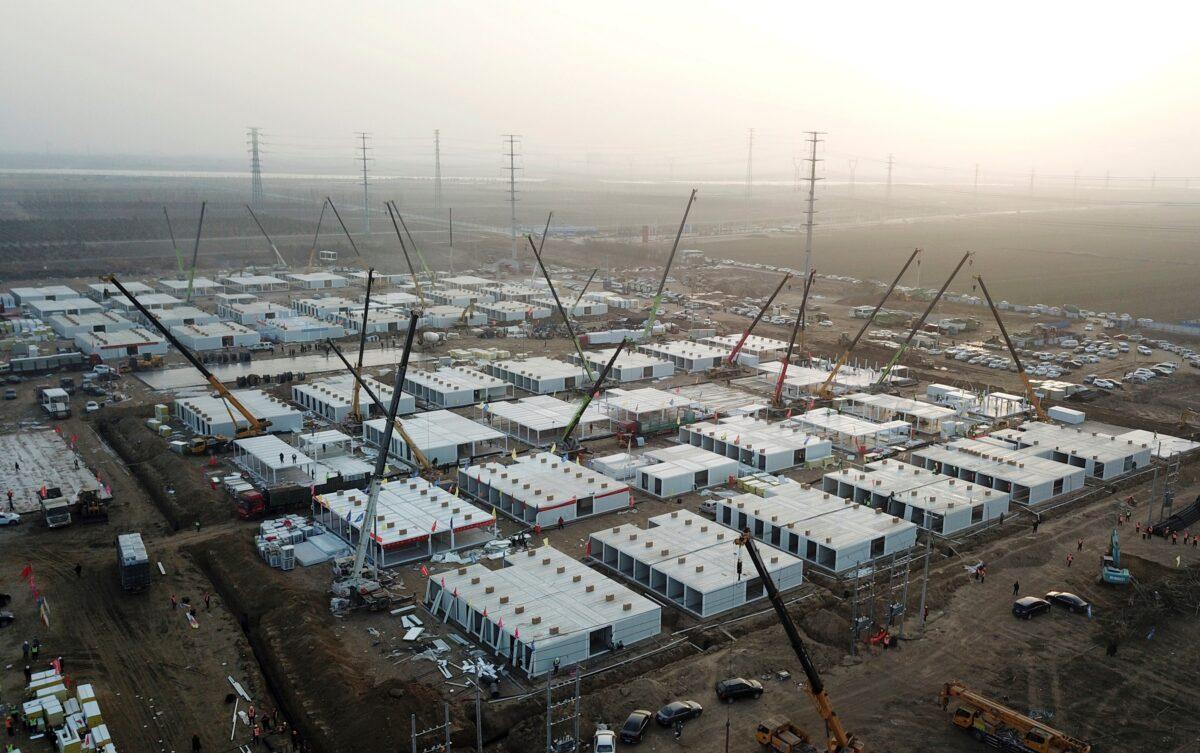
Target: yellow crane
pixel 999 726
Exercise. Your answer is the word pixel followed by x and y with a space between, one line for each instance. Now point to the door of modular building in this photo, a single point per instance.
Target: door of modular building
pixel 600 640
pixel 585 506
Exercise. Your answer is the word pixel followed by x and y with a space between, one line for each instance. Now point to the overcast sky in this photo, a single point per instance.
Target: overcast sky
pixel 639 87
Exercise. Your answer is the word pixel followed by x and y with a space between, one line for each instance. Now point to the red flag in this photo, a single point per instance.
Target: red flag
pixel 455 594
pixel 431 530
pixel 485 611
pixel 500 624
pixel 27 571
pixel 424 571
pixel 587 552
pixel 443 581
pixel 517 633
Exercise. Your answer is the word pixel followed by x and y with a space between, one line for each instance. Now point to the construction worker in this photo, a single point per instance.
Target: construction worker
pixel 1016 587
pixel 560 522
pixel 257 735
pixel 1079 547
pixel 1070 559
pixel 10 502
pixel 37 646
pixel 25 650
pixel 8 725
pixel 78 570
pixel 195 742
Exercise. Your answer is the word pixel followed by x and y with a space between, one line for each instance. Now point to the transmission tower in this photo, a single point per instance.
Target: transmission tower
pixel 813 138
pixel 437 170
pixel 256 188
pixel 750 164
pixel 511 140
pixel 362 157
pixel 891 162
pixel 853 164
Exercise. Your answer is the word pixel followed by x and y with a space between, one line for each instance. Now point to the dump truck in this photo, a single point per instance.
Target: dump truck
pixel 56 510
pixel 133 563
pixel 1003 728
pixel 783 736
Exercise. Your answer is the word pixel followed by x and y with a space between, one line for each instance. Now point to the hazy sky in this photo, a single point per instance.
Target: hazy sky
pixel 634 87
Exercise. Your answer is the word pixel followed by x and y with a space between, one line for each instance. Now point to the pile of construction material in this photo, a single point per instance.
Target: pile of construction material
pixel 277 538
pixel 74 719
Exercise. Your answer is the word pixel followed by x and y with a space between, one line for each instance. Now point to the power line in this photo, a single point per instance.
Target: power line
pixel 363 136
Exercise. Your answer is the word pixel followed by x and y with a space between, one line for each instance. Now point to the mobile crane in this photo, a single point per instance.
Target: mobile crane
pixel 537 254
pixel 589 396
pixel 255 426
pixel 733 354
pixel 1029 393
pixel 1003 728
pixel 837 739
pixel 667 269
pixel 797 328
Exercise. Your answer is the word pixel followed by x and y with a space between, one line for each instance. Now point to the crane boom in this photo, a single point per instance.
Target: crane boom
pixel 196 252
pixel 566 319
pixel 887 370
pixel 263 230
pixel 733 354
pixel 823 390
pixel 798 326
pixel 1033 398
pixel 256 424
pixel 345 230
pixel 413 241
pixel 667 270
pixel 174 245
pixel 312 254
pixel 407 259
pixel 583 290
pixel 1052 738
pixel 355 409
pixel 838 740
pixel 591 394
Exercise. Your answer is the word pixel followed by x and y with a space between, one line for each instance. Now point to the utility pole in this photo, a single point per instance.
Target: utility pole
pixel 890 163
pixel 925 576
pixel 256 188
pixel 750 164
pixel 813 138
pixel 437 170
pixel 363 136
pixel 511 139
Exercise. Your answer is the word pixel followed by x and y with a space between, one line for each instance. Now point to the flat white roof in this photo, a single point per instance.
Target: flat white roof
pixel 394 298
pixel 899 404
pixel 149 300
pixel 256 306
pixel 268 449
pixel 338 391
pixel 300 324
pixel 545 481
pixel 753 344
pixel 407 511
pixel 198 283
pixel 459 281
pixel 826 419
pixel 1161 445
pixel 328 436
pixel 179 313
pixel 685 349
pixel 259 403
pixel 757 435
pixel 331 301
pixel 915 485
pixel 440 428
pixel 212 329
pixel 807 377
pixel 646 400
pixel 108 289
pixel 543 412
pixel 718 399
pixel 1103 448
pixel 686 457
pixel 90 319
pixel 1000 459
pixel 540 367
pixel 57 291
pixel 454 378
pixel 819 516
pixel 255 280
pixel 316 276
pixel 627 360
pixel 120 338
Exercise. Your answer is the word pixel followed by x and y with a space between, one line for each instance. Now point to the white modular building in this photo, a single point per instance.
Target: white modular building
pixel 445 317
pixel 924 418
pixel 273 462
pixel 381 279
pixel 47 307
pixel 648 410
pixel 249 283
pixel 803 382
pixel 299 329
pixel 1162 446
pixel 26 295
pixel 121 344
pixel 208 415
pixel 333 456
pixel 470 282
pixel 100 292
pixel 539 421
pixel 444 438
pixel 326 307
pixel 379 321
pixel 152 301
pixel 460 297
pixel 827 532
pixel 251 313
pixel 542 610
pixel 1021 473
pixel 201 286
pixel 851 433
pixel 542 488
pixel 539 375
pixel 394 298
pixel 506 312
pixel 680 469
pixel 1101 456
pixel 69 325
pixel 514 292
pixel 688 357
pixel 332 398
pixel 629 366
pixel 215 336
pixel 414 520
pixel 610 299
pixel 317 280
pixel 574 310
pixel 938 503
pixel 756 346
pixel 757 445
pixel 184 315
pixel 691 562
pixel 228 299
pixel 455 387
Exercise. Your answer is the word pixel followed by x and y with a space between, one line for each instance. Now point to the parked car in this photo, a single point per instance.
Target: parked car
pixel 9 519
pixel 10 394
pixel 679 711
pixel 604 741
pixel 733 688
pixel 635 726
pixel 7 618
pixel 1028 607
pixel 91 407
pixel 1068 600
pixel 709 507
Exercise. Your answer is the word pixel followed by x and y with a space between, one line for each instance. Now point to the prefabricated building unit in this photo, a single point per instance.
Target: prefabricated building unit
pixel 455 386
pixel 621 466
pixel 851 433
pixel 681 469
pixel 690 561
pixel 827 532
pixel 445 438
pixel 460 297
pixel 381 279
pixel 938 503
pixel 648 410
pixel 379 321
pixel 757 444
pixel 761 348
pixel 1101 456
pixel 1162 446
pixel 519 293
pixel 540 420
pixel 178 315
pixel 317 280
pixel 542 488
pixel 629 366
pixel 414 520
pixel 210 416
pixel 201 286
pixel 121 344
pixel 574 310
pixel 332 398
pixel 152 301
pixel 542 610
pixel 100 292
pixel 470 282
pixel 273 462
pixel 539 375
pixel 507 312
pixel 1028 478
pixel 215 336
pixel 924 418
pixel 299 329
pixel 26 295
pixel 326 307
pixel 719 401
pixel 804 381
pixel 610 299
pixel 255 283
pixel 251 313
pixel 69 325
pixel 394 298
pixel 445 317
pixel 45 308
pixel 685 356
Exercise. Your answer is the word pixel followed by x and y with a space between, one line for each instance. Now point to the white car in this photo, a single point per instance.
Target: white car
pixel 9 519
pixel 826 323
pixel 91 407
pixel 1144 350
pixel 604 741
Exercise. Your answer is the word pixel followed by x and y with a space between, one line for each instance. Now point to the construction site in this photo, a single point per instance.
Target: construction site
pixel 589 464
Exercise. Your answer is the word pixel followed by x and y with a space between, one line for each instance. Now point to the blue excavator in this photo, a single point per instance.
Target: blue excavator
pixel 1110 569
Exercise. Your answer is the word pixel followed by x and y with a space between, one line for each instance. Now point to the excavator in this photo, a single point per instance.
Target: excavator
pixel 1029 393
pixel 254 426
pixel 772 733
pixel 1003 728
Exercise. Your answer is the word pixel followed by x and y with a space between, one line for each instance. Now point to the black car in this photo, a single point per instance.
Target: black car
pixel 678 711
pixel 635 726
pixel 1068 600
pixel 738 687
pixel 7 618
pixel 1028 607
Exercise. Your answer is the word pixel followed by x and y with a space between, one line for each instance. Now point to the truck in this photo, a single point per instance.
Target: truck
pixel 1003 728
pixel 783 736
pixel 91 506
pixel 56 509
pixel 44 363
pixel 55 401
pixel 133 563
